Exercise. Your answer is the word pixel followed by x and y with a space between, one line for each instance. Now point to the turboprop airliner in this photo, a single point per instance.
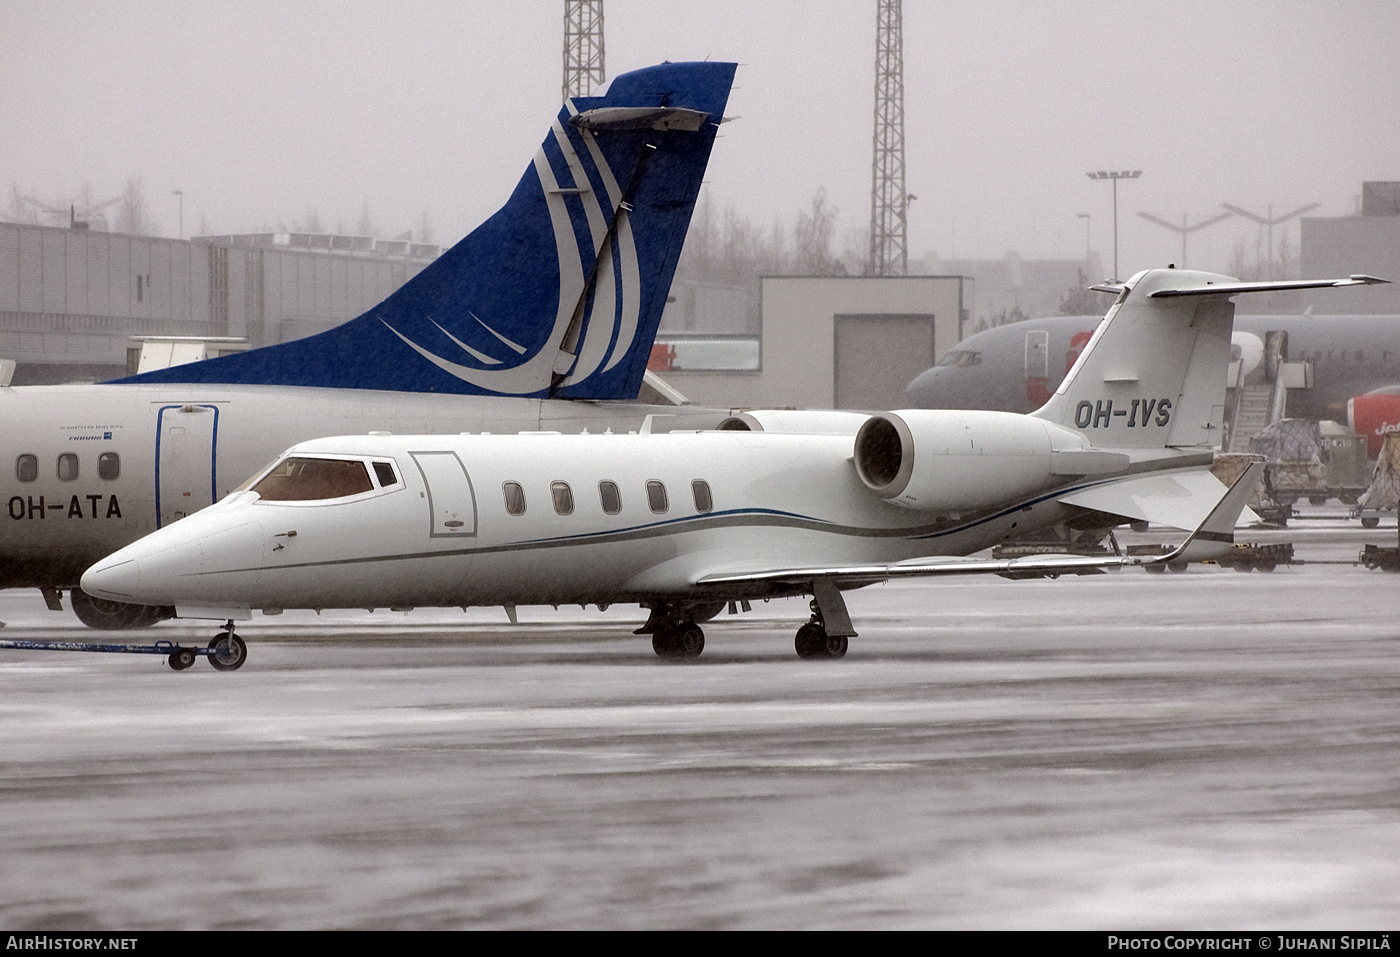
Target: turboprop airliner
pixel 542 318
pixel 683 523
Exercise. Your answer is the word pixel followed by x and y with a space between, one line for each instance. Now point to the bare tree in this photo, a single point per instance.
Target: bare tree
pixel 812 237
pixel 133 217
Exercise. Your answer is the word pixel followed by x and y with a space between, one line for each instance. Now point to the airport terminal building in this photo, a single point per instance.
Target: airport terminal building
pixel 70 298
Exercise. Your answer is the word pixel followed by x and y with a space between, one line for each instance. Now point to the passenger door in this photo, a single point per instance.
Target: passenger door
pixel 186 460
pixel 451 499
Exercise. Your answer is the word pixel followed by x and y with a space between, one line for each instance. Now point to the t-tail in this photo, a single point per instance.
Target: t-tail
pixel 558 294
pixel 1154 373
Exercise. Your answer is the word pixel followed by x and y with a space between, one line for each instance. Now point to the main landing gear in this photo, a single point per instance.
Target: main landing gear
pixel 114 615
pixel 813 642
pixel 680 640
pixel 674 633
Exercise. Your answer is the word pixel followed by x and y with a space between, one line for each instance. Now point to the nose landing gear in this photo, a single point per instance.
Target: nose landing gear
pixel 227 652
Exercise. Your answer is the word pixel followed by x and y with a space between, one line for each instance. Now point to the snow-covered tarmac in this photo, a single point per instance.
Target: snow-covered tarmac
pixel 1200 750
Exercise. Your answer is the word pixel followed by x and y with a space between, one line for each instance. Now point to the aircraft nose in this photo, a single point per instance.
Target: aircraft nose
pixel 177 563
pixel 923 391
pixel 118 580
pixel 138 572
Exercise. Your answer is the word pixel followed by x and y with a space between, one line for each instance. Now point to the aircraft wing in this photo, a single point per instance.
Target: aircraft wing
pixel 1215 532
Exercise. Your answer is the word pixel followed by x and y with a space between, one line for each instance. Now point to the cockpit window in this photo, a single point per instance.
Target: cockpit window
pixel 961 358
pixel 299 479
pixel 384 471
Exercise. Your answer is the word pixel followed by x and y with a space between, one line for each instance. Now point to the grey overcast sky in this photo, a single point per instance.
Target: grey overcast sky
pixel 260 111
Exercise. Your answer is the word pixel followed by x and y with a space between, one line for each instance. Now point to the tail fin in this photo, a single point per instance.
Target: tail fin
pixel 1153 375
pixel 561 291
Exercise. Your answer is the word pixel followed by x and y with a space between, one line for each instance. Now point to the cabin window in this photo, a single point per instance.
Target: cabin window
pixel 109 466
pixel 656 497
pixel 384 471
pixel 701 490
pixel 563 497
pixel 515 498
pixel 67 467
pixel 298 479
pixel 610 497
pixel 27 467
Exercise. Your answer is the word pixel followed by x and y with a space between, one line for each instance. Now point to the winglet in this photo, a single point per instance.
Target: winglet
pixel 1216 533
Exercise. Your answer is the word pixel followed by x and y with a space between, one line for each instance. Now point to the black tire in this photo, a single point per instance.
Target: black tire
pixel 810 641
pixel 107 615
pixel 1266 566
pixel 227 652
pixel 181 659
pixel 836 646
pixel 690 641
pixel 1370 521
pixel 664 642
pixel 1177 566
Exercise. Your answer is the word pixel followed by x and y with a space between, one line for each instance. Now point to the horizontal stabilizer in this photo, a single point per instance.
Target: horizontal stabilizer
pixel 640 118
pixel 1279 285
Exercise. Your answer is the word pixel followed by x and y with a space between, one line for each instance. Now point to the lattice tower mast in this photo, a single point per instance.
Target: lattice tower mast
pixel 889 205
pixel 583 47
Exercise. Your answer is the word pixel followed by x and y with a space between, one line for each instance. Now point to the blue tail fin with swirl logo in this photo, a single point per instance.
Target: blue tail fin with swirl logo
pixel 559 293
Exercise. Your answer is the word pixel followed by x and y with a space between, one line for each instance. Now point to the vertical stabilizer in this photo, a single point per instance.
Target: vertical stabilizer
pixel 561 291
pixel 1153 375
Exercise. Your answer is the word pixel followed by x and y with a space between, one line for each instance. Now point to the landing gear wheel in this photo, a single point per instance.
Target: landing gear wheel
pixel 811 641
pixel 678 642
pixel 836 646
pixel 181 658
pixel 227 652
pixel 663 642
pixel 690 641
pixel 114 615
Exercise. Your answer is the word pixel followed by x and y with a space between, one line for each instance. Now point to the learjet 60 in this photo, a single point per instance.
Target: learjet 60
pixel 684 523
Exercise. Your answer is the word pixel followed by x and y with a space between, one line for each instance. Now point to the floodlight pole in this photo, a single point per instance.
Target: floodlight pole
pixel 1270 221
pixel 1115 176
pixel 1183 228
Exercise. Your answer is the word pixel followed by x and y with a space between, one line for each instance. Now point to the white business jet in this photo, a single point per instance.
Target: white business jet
pixel 542 318
pixel 683 522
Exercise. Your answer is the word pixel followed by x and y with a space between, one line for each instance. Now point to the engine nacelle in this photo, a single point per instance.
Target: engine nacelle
pixel 1375 415
pixel 955 461
pixel 805 421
